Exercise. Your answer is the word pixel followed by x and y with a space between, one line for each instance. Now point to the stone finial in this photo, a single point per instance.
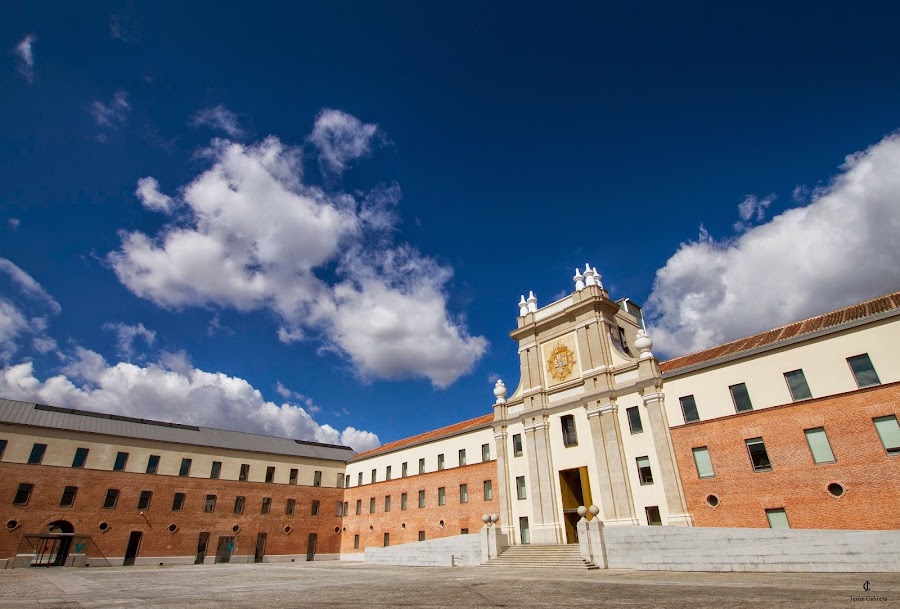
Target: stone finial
pixel 594 510
pixel 588 275
pixel 523 307
pixel 597 278
pixel 581 510
pixel 532 302
pixel 495 518
pixel 643 344
pixel 500 392
pixel 486 519
pixel 579 280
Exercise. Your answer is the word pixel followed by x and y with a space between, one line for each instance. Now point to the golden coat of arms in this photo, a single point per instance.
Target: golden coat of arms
pixel 561 362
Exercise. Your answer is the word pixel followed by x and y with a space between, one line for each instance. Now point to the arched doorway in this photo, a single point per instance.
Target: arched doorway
pixel 54 544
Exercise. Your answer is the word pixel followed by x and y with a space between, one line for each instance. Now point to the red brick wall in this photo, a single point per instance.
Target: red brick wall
pixel 871 478
pixel 88 511
pixel 456 516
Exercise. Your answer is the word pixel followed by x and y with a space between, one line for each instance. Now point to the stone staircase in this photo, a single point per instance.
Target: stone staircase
pixel 542 557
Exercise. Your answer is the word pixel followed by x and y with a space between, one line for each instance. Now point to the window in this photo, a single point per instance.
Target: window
pixel 210 504
pixel 289 506
pixel 634 420
pixel 216 469
pixel 121 460
pixel 421 499
pixel 358 507
pixel 653 517
pixel 645 475
pixel 463 493
pixel 863 370
pixel 517 445
pixel 317 478
pixel 819 445
pixel 340 481
pixel 346 481
pixel 421 535
pixel 440 461
pixel 568 430
pixel 3 448
pixel 152 464
pixel 758 455
pixel 245 471
pixel 266 505
pixel 442 496
pixel 387 503
pixel 462 456
pixel 403 501
pixel 314 510
pixel 37 454
pixel 144 500
pixel 178 502
pixel 703 462
pixel 777 519
pixel 387 472
pixel 374 476
pixel 270 473
pixel 485 452
pixel 689 408
pixel 387 539
pixel 796 381
pixel 741 397
pixel 356 542
pixel 359 479
pixel 403 469
pixel 23 494
pixel 889 432
pixel 112 496
pixel 185 467
pixel 421 466
pixel 488 490
pixel 520 486
pixel 345 509
pixel 68 496
pixel 79 460
pixel 372 505
pixel 464 531
pixel 338 509
pixel 239 505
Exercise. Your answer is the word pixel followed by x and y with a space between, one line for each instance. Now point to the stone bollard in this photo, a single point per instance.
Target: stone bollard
pixel 595 536
pixel 584 542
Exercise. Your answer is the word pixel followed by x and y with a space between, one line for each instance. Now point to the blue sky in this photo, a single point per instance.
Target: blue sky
pixel 317 219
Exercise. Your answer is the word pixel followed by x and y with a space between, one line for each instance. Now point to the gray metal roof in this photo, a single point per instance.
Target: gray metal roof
pixel 53 417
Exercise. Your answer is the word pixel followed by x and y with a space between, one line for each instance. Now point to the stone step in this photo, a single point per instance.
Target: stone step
pixel 541 557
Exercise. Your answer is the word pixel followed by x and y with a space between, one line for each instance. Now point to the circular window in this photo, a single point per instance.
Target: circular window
pixel 403 526
pixel 712 500
pixel 236 528
pixel 287 528
pixel 337 529
pixel 441 523
pixel 835 489
pixel 371 528
pixel 173 527
pixel 103 526
pixel 12 524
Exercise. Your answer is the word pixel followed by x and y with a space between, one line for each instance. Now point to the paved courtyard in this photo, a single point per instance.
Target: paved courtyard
pixel 337 585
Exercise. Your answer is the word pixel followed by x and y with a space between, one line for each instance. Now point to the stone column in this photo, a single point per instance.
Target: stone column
pixel 615 492
pixel 503 498
pixel 546 528
pixel 665 455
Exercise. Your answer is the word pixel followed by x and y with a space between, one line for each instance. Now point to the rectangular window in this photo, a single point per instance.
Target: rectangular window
pixel 421 535
pixel 314 510
pixel 485 452
pixel 374 476
pixel 387 539
pixel 356 542
pixel 216 469
pixel 359 479
pixel 144 500
pixel 340 481
pixel 387 472
pixel 421 499
pixel 346 481
pixel 440 462
pixel 210 504
pixel 68 496
pixel 517 444
pixel 289 506
pixel 266 505
pixel 689 408
pixel 819 445
pixel 889 432
pixel 245 471
pixel 404 469
pixel 270 473
pixel 703 462
pixel 121 461
pixel 185 467
pixel 653 517
pixel 2 448
pixel 358 507
pixel 178 502
pixel 372 505
pixel 758 455
pixel 239 505
pixel 462 456
pixel 796 382
pixel 345 508
pixel 863 370
pixel 79 460
pixel 152 464
pixel 387 503
pixel 403 501
pixel 442 496
pixel 634 420
pixel 778 519
pixel 741 397
pixel 112 497
pixel 570 438
pixel 645 475
pixel 37 454
pixel 463 493
pixel 317 478
pixel 488 490
pixel 520 487
pixel 23 494
pixel 421 466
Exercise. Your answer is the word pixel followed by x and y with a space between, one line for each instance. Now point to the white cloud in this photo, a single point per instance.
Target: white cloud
pixel 112 114
pixel 752 210
pixel 126 335
pixel 24 311
pixel 150 196
pixel 190 396
pixel 14 223
pixel 839 249
pixel 220 118
pixel 25 53
pixel 254 238
pixel 341 138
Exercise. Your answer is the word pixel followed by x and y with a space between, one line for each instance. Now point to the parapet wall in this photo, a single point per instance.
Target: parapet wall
pixel 458 550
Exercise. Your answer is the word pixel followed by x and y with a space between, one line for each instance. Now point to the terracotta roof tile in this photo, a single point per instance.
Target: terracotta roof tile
pixel 428 436
pixel 860 310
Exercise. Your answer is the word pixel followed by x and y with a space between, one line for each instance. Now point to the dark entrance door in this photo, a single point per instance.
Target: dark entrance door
pixel 201 548
pixel 54 545
pixel 131 551
pixel 260 548
pixel 311 547
pixel 224 549
pixel 575 489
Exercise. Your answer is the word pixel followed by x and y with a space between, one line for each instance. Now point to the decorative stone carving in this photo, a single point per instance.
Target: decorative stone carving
pixel 500 392
pixel 643 344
